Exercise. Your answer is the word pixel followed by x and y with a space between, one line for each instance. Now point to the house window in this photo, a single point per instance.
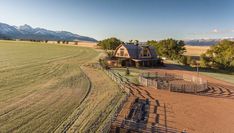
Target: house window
pixel 145 52
pixel 121 52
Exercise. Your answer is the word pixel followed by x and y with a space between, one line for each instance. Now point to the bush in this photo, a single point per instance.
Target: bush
pixel 159 62
pixel 189 60
pixel 110 54
pixel 193 62
pixel 183 60
pixel 127 71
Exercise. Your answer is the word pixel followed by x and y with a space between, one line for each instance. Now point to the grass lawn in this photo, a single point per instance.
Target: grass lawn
pixel 134 74
pixel 217 74
pixel 42 85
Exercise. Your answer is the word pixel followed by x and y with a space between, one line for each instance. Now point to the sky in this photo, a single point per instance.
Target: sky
pixel 125 19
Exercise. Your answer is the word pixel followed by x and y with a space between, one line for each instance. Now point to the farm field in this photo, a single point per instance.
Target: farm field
pixel 46 88
pixel 196 50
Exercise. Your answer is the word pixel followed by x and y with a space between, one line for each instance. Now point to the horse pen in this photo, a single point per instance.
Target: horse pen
pixel 173 82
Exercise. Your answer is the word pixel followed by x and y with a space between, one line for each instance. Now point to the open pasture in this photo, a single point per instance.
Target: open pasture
pixel 43 85
pixel 195 50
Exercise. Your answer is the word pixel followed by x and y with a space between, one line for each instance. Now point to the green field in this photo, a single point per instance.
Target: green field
pixel 132 77
pixel 217 74
pixel 46 87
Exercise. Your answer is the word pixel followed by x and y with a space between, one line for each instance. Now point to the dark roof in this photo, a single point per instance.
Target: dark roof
pixel 134 50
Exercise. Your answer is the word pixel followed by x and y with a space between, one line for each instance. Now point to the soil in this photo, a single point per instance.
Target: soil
pixel 211 111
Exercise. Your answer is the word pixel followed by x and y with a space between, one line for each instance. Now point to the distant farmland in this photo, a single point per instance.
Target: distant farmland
pixel 46 87
pixel 196 50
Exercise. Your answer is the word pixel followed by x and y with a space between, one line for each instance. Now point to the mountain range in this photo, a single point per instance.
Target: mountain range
pixel 26 32
pixel 206 42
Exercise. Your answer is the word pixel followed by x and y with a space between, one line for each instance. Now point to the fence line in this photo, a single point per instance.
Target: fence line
pixel 146 128
pixel 172 82
pixel 123 85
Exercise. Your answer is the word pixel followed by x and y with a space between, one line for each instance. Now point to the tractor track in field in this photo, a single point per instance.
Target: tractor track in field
pixel 14 106
pixel 45 77
pixel 38 102
pixel 70 123
pixel 42 87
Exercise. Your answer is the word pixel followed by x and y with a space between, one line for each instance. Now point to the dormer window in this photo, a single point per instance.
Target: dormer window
pixel 145 52
pixel 122 52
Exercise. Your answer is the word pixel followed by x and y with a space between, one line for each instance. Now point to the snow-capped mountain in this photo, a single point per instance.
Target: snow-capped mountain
pixel 27 32
pixel 206 42
pixel 8 30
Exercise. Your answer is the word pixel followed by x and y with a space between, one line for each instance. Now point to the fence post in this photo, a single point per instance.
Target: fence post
pixel 156 84
pixel 196 89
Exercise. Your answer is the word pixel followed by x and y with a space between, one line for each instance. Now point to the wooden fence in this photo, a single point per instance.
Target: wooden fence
pixel 146 128
pixel 123 84
pixel 173 82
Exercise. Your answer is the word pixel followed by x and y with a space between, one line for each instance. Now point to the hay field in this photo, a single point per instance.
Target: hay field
pixel 43 85
pixel 195 50
pixel 87 44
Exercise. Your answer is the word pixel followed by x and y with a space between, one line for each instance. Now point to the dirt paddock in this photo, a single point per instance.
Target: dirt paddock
pixel 211 111
pixel 198 113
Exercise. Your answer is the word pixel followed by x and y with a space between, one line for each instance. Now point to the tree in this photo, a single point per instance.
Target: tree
pixel 170 48
pixel 110 43
pixel 152 42
pixel 219 56
pixel 204 61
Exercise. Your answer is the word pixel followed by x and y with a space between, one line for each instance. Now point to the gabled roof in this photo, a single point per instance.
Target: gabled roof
pixel 134 50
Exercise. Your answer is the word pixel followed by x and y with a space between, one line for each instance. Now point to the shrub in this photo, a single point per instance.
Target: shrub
pixel 127 71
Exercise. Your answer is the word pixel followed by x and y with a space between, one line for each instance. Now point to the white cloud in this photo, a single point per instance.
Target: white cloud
pixel 215 31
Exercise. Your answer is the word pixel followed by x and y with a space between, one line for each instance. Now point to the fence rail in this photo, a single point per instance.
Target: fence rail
pixel 146 128
pixel 173 82
pixel 124 86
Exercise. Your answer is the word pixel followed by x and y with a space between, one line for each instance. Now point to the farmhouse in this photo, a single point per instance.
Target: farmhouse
pixel 135 55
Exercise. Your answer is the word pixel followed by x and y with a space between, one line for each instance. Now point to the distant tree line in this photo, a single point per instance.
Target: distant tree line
pixel 220 56
pixel 3 37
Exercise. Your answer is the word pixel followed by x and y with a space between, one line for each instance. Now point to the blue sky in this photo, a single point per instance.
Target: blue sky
pixel 126 19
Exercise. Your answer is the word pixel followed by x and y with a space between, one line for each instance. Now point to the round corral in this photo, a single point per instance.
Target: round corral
pixel 173 82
